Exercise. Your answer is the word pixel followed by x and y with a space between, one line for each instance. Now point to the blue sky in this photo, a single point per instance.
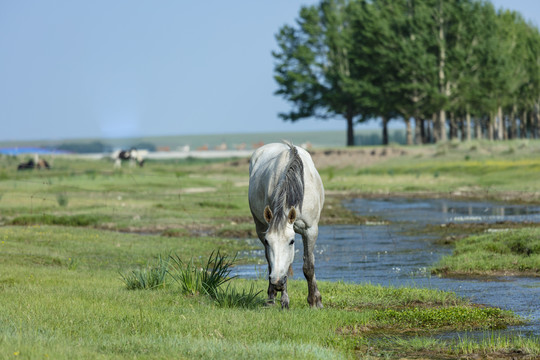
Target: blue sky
pixel 100 69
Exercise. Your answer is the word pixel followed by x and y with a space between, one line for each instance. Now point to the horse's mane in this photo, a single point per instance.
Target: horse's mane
pixel 289 191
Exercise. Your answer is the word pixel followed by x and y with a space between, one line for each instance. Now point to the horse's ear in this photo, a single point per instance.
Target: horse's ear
pixel 267 214
pixel 292 216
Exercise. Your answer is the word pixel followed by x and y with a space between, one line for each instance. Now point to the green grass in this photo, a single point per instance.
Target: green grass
pixel 150 278
pixel 478 170
pixel 93 248
pixel 231 297
pixel 66 220
pixel 445 317
pixel 489 345
pixel 69 234
pixel 53 309
pixel 505 251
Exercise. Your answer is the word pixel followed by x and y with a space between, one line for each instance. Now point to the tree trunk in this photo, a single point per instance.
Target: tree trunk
pixel 453 126
pixel 500 126
pixel 423 133
pixel 409 131
pixel 435 124
pixel 462 134
pixel 441 123
pixel 523 125
pixel 478 128
pixel 490 127
pixel 468 126
pixel 536 129
pixel 441 126
pixel 513 124
pixel 418 131
pixel 384 130
pixel 350 131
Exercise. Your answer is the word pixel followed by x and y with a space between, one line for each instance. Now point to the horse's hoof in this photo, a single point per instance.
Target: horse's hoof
pixel 316 303
pixel 269 303
pixel 285 305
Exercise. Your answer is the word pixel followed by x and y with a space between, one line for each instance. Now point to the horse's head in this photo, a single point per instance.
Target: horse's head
pixel 279 246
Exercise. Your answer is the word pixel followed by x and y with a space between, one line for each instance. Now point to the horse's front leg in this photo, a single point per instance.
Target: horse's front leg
pixel 284 297
pixel 261 230
pixel 309 237
pixel 271 300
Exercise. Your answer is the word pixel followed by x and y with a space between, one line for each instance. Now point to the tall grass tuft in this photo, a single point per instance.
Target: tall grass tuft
pixel 147 279
pixel 62 199
pixel 232 298
pixel 202 280
pixel 187 275
pixel 216 272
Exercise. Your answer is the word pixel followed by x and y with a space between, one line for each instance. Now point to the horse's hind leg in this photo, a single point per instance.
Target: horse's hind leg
pixel 309 237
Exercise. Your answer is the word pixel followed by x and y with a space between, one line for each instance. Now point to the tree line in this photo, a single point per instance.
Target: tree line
pixel 456 69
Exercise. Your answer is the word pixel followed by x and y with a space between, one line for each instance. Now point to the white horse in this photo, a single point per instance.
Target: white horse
pixel 286 196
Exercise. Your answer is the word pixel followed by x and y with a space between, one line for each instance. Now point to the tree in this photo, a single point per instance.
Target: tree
pixel 314 67
pixel 438 62
pixel 373 60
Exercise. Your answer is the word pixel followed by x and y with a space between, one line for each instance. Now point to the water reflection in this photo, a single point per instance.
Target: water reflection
pixel 384 253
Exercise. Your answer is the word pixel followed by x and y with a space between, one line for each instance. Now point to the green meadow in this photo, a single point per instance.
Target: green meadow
pixel 104 263
pixel 500 252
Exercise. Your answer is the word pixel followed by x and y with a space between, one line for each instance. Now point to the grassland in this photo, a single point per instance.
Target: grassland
pixel 63 297
pixel 69 234
pixel 499 252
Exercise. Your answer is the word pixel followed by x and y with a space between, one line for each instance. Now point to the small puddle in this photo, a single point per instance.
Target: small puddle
pixel 383 252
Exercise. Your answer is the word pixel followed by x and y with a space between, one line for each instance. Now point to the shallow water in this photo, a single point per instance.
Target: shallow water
pixel 381 253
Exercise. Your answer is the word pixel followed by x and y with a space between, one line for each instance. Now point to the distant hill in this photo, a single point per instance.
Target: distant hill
pixel 318 139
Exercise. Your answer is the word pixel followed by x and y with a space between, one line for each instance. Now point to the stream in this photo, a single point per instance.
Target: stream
pixel 384 252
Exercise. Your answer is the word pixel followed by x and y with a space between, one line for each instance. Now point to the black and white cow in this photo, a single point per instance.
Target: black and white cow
pixel 133 155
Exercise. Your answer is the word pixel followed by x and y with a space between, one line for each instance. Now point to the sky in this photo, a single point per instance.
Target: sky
pixel 133 68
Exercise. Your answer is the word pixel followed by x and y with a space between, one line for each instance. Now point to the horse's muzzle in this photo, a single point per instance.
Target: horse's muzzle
pixel 279 284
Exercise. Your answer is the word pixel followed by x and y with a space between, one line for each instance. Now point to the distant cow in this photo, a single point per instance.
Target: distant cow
pixel 133 156
pixel 31 164
pixel 42 164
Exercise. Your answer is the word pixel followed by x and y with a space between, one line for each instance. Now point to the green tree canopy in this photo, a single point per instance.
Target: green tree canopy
pixel 443 63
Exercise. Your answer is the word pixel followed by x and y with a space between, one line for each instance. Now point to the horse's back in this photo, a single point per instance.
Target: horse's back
pixel 265 155
pixel 266 167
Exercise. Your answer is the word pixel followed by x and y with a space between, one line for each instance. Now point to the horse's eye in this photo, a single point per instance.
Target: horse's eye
pixel 291 242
